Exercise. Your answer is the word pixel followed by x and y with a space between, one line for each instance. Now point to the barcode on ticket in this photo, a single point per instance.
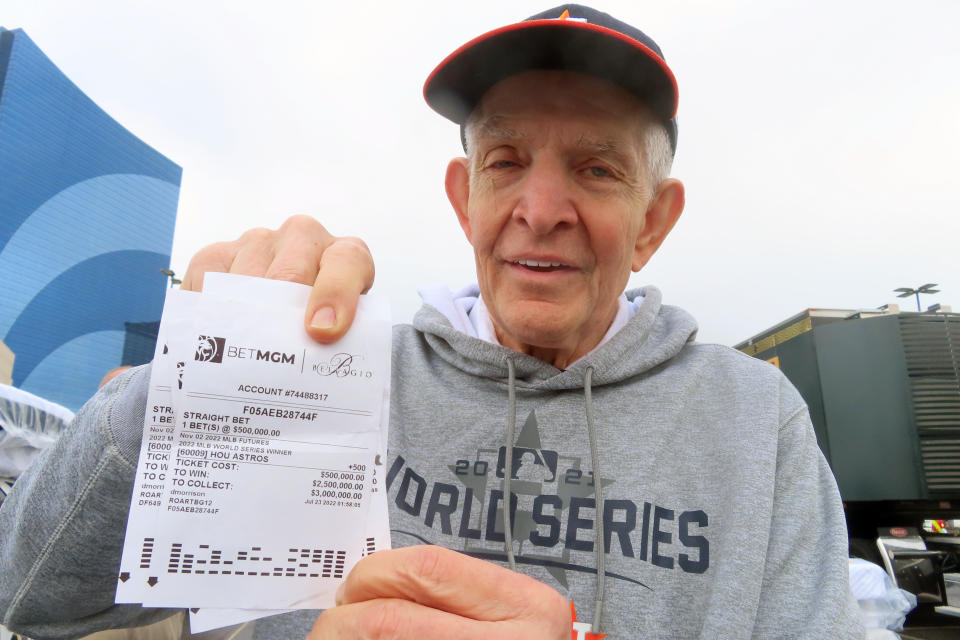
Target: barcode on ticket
pixel 206 559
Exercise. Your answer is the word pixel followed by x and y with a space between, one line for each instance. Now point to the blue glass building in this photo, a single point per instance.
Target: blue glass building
pixel 87 212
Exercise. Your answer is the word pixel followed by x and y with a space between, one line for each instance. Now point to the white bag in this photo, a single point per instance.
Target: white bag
pixel 882 604
pixel 28 425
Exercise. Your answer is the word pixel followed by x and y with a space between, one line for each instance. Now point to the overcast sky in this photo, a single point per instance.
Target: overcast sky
pixel 818 139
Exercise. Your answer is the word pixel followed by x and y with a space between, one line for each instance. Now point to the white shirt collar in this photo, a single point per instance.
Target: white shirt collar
pixel 482 325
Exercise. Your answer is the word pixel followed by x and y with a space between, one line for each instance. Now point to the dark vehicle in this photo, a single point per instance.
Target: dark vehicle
pixel 883 388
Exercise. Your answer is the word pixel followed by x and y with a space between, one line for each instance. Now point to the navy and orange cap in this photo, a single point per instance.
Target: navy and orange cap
pixel 570 37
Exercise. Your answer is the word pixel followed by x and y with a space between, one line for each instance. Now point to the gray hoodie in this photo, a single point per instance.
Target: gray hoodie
pixel 720 518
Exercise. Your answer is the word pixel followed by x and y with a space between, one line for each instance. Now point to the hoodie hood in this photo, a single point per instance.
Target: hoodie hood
pixel 655 334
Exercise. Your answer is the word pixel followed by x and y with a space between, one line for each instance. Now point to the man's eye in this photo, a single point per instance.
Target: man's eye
pixel 502 164
pixel 599 172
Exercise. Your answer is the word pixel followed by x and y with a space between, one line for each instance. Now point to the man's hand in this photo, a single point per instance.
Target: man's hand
pixel 432 593
pixel 301 250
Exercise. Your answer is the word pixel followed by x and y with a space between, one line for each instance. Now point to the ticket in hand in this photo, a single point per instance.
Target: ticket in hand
pixel 260 453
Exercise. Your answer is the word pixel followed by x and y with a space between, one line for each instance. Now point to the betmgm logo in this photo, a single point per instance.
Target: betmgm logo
pixel 209 349
pixel 214 349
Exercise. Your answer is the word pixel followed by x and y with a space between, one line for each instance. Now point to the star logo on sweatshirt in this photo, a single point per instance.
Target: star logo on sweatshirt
pixel 536 471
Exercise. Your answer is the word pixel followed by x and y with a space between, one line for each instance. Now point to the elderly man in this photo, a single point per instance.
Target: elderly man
pixel 564 458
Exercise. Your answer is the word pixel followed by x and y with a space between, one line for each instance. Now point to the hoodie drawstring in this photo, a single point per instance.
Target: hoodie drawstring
pixel 600 540
pixel 508 462
pixel 599 545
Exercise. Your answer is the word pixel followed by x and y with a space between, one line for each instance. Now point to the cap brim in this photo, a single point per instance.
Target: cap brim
pixel 455 87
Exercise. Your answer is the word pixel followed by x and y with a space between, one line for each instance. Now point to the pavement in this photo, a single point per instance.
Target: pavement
pixel 931 633
pixel 924 623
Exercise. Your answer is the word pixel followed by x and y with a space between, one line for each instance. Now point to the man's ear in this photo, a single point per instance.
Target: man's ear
pixel 457 183
pixel 662 213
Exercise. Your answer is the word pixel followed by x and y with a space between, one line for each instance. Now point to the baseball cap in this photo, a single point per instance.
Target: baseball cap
pixel 570 37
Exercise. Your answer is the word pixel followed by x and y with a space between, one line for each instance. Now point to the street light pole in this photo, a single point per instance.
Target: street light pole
pixel 170 274
pixel 904 292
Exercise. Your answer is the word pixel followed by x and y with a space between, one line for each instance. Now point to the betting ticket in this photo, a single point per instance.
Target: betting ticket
pixel 260 454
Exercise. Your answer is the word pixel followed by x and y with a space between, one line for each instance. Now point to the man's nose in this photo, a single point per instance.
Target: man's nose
pixel 546 199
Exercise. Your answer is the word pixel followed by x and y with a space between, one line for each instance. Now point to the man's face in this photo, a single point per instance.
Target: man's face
pixel 554 200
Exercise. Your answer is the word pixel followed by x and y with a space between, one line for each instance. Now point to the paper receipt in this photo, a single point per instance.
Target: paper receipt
pixel 260 453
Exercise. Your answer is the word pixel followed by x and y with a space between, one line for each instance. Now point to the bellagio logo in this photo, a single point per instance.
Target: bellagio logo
pixel 209 349
pixel 343 365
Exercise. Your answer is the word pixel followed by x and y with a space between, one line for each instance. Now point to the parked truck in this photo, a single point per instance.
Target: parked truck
pixel 883 389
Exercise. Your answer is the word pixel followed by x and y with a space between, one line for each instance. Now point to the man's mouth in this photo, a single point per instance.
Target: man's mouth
pixel 541 265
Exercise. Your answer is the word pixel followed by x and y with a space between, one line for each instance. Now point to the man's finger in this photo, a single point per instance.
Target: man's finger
pixel 255 252
pixel 346 271
pixel 449 581
pixel 404 620
pixel 300 245
pixel 215 257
